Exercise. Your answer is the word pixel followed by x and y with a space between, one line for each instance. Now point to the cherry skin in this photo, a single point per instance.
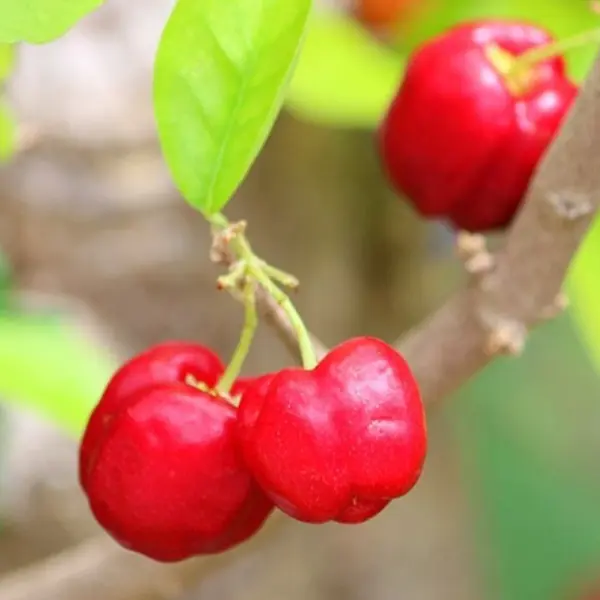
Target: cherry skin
pixel 459 141
pixel 337 443
pixel 167 362
pixel 168 480
pixel 241 384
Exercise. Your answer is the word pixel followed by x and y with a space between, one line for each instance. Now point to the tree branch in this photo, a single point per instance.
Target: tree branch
pixel 99 569
pixel 523 285
pixel 506 298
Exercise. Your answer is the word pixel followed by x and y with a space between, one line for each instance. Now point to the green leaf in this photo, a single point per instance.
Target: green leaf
pixel 46 367
pixel 40 21
pixel 8 133
pixel 344 77
pixel 219 80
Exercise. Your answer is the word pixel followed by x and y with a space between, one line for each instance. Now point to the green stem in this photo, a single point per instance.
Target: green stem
pixel 256 269
pixel 540 53
pixel 285 279
pixel 241 351
pixel 307 351
pixel 218 220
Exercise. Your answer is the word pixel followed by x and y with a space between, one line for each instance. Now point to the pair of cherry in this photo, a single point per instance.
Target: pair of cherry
pixel 174 469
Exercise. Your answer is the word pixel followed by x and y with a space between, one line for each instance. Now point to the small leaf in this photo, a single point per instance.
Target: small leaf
pixel 45 366
pixel 40 21
pixel 8 133
pixel 219 79
pixel 344 77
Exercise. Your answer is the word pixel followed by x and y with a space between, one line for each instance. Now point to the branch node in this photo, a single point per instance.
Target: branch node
pixel 220 252
pixel 570 206
pixel 471 248
pixel 480 264
pixel 506 338
pixel 560 304
pixel 468 244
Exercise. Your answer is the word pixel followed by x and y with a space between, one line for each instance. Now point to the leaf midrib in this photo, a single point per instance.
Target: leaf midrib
pixel 245 80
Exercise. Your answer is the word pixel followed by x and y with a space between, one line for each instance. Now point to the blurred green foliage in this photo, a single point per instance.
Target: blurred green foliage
pixel 8 132
pixel 40 21
pixel 344 77
pixel 7 60
pixel 46 366
pixel 584 288
pixel 529 442
pixel 8 128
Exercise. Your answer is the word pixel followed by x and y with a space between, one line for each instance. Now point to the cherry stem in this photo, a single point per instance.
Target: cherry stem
pixel 285 279
pixel 538 54
pixel 307 351
pixel 243 347
pixel 265 275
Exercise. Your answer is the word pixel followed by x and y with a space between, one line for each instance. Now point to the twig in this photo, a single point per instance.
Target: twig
pixel 272 314
pixel 520 289
pixel 268 308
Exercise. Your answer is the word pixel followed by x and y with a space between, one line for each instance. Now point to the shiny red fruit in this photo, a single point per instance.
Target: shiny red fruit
pixel 337 443
pixel 241 384
pixel 168 481
pixel 460 140
pixel 167 362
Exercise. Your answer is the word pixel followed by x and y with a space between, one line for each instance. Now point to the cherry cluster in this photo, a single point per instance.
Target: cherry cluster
pixel 476 109
pixel 172 468
pixel 176 462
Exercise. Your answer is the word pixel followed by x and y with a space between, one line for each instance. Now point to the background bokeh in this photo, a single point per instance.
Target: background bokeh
pixel 101 257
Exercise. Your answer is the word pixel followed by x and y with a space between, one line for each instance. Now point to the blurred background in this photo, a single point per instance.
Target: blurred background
pixel 101 257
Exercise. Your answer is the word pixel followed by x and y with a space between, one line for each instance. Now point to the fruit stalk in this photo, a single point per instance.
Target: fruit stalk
pixel 532 57
pixel 264 274
pixel 307 352
pixel 243 347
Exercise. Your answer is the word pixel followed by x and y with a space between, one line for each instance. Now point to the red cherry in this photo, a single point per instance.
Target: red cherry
pixel 458 140
pixel 168 481
pixel 241 384
pixel 167 362
pixel 337 443
pixel 250 405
